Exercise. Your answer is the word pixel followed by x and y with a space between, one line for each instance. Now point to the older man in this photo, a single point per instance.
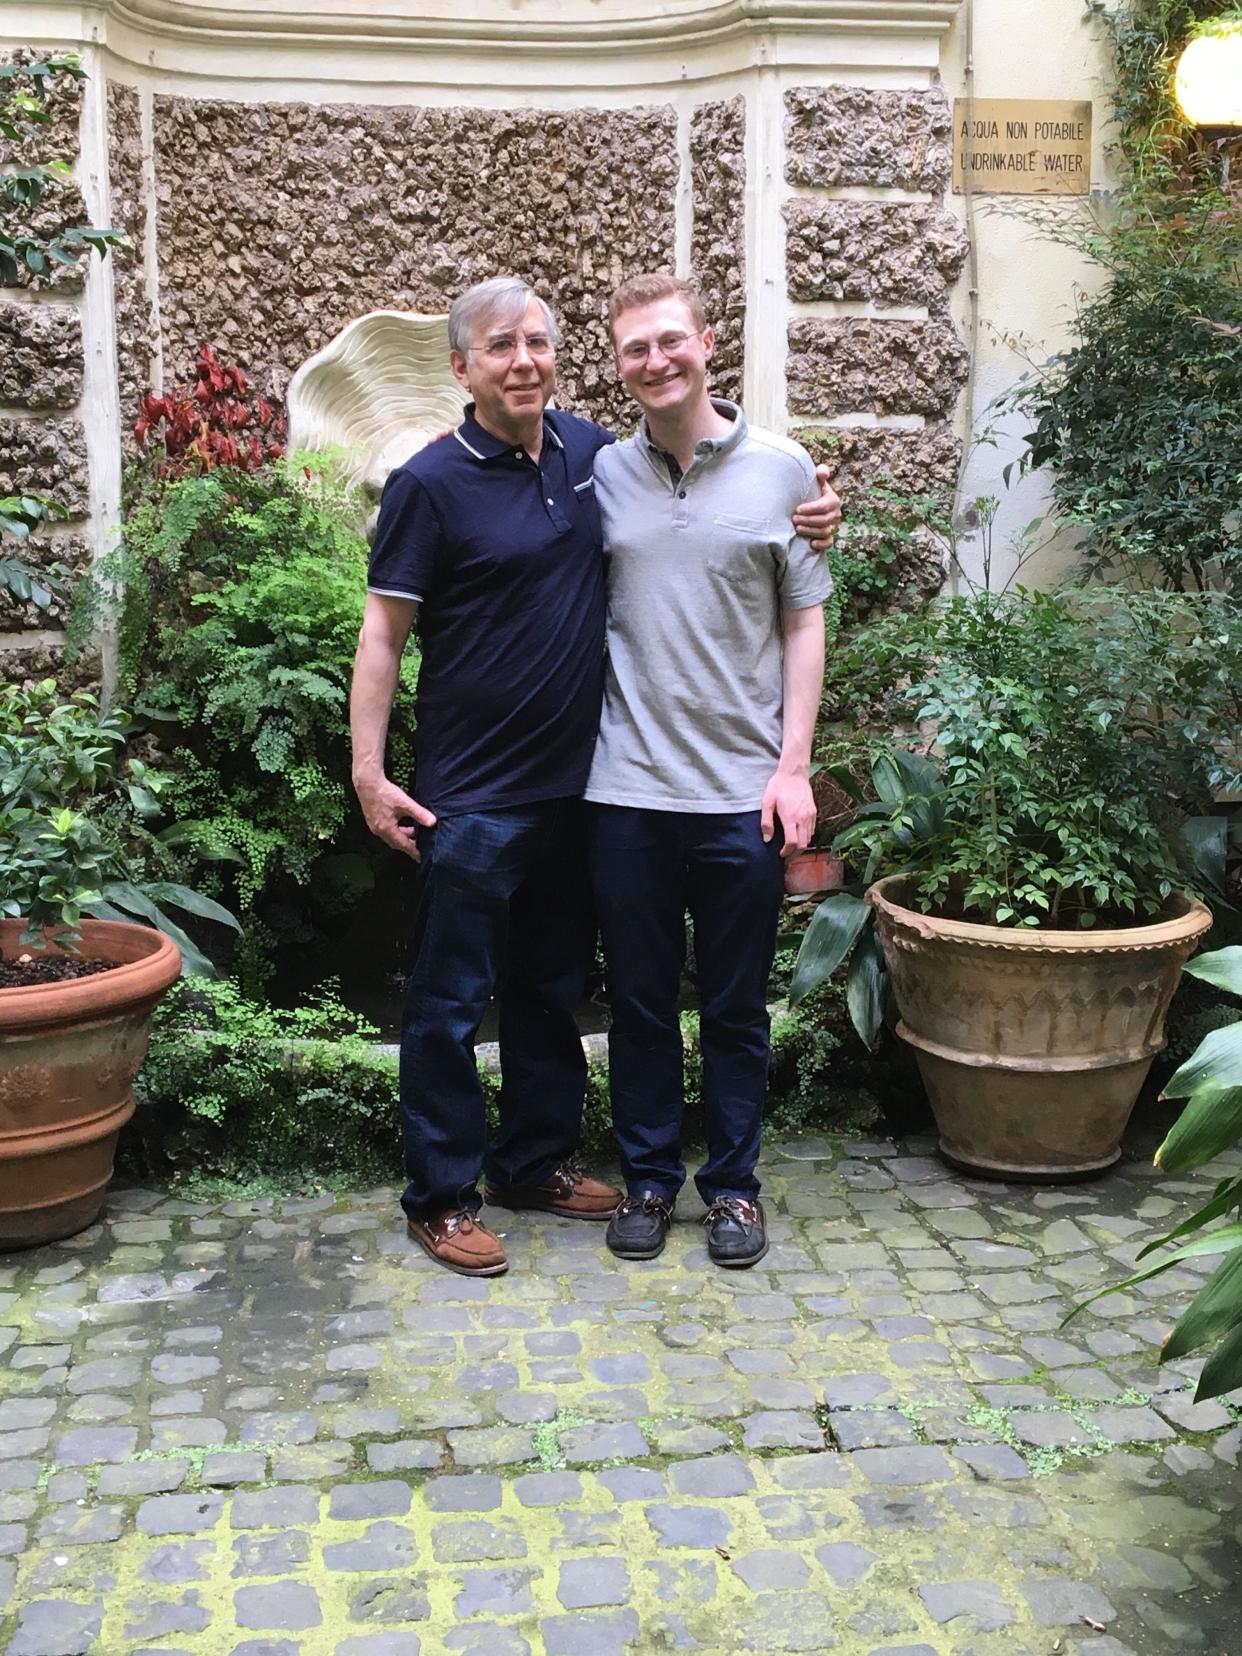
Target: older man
pixel 492 540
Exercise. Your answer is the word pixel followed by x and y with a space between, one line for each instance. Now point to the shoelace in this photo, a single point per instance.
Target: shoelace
pixel 463 1222
pixel 732 1207
pixel 642 1204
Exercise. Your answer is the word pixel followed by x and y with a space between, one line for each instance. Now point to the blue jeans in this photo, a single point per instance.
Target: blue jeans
pixel 504 908
pixel 647 869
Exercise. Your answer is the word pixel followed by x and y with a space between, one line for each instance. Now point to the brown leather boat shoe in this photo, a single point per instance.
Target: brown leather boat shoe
pixel 567 1191
pixel 460 1241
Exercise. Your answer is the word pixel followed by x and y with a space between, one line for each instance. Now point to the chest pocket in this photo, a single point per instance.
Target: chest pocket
pixel 742 555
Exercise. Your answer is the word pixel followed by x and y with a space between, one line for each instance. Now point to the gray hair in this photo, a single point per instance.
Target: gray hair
pixel 503 299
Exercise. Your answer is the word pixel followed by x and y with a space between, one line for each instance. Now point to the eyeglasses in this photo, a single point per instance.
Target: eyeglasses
pixel 636 351
pixel 500 347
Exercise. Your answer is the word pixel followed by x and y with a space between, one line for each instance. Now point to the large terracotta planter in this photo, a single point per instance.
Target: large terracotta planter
pixel 68 1056
pixel 1032 1044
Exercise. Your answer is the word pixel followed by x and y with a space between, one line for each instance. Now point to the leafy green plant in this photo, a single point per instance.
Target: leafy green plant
pixel 1211 1123
pixel 240 600
pixel 19 515
pixel 231 1084
pixel 74 822
pixel 1074 734
pixel 24 92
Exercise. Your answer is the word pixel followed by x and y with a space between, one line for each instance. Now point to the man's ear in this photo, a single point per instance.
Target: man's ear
pixel 457 362
pixel 709 342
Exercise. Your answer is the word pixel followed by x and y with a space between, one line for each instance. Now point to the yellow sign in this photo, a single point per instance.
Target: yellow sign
pixel 1021 146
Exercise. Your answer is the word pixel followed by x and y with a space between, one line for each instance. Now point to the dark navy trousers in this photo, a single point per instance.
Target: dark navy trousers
pixel 504 908
pixel 647 869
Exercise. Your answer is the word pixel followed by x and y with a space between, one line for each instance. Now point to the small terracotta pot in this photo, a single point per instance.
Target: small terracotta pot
pixel 811 871
pixel 1032 1044
pixel 69 1053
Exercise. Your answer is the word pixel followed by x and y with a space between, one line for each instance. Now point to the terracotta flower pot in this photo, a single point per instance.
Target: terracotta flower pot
pixel 812 871
pixel 1032 1044
pixel 68 1056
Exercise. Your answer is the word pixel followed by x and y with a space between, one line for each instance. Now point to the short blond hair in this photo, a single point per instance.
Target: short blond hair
pixel 651 287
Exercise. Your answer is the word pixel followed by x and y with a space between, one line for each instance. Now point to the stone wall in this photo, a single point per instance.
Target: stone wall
pixel 880 254
pixel 857 365
pixel 279 223
pixel 42 367
pixel 40 356
pixel 893 254
pixel 841 135
pixel 718 243
pixel 915 462
pixel 57 140
pixel 877 375
pixel 136 345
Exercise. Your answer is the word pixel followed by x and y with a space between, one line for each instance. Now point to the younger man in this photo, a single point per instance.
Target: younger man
pixel 700 779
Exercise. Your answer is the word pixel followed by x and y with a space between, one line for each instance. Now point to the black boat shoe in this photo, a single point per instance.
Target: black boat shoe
pixel 639 1226
pixel 735 1231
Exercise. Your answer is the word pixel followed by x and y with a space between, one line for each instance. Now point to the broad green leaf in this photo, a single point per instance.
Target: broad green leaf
pixel 866 983
pixel 1210 1123
pixel 1224 1241
pixel 1223 1370
pixel 1117 1287
pixel 920 774
pixel 1226 1197
pixel 203 838
pixel 1216 1062
pixel 886 779
pixel 832 933
pixel 124 901
pixel 164 891
pixel 1207 839
pixel 1223 967
pixel 846 781
pixel 1215 1309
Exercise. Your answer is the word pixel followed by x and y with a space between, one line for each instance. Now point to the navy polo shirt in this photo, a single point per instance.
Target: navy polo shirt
pixel 505 556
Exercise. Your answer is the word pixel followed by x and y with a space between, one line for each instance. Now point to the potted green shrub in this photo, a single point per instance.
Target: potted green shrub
pixel 1029 876
pixel 78 977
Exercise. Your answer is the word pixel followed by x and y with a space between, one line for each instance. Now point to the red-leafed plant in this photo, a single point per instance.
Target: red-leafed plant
pixel 214 422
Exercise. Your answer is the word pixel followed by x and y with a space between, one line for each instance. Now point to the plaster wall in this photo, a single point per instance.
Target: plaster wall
pixel 1027 286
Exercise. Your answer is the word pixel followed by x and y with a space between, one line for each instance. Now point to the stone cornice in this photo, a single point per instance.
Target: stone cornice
pixel 619 40
pixel 511 28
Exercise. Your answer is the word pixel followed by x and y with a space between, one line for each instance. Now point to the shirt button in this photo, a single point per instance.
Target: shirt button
pixel 551 502
pixel 681 494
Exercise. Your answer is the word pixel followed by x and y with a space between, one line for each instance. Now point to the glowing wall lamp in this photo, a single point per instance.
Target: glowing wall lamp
pixel 1208 83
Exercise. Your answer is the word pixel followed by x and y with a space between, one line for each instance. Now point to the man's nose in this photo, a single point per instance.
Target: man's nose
pixel 521 354
pixel 654 351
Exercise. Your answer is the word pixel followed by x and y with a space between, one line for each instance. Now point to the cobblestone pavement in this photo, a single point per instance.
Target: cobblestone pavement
pixel 274 1428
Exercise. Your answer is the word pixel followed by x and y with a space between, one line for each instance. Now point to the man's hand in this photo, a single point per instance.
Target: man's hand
pixel 789 800
pixel 384 806
pixel 817 520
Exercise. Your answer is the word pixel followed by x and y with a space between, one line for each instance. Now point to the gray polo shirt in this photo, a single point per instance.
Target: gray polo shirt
pixel 698 574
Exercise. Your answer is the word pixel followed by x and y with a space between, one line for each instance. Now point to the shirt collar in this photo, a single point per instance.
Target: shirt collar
pixel 482 444
pixel 706 447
